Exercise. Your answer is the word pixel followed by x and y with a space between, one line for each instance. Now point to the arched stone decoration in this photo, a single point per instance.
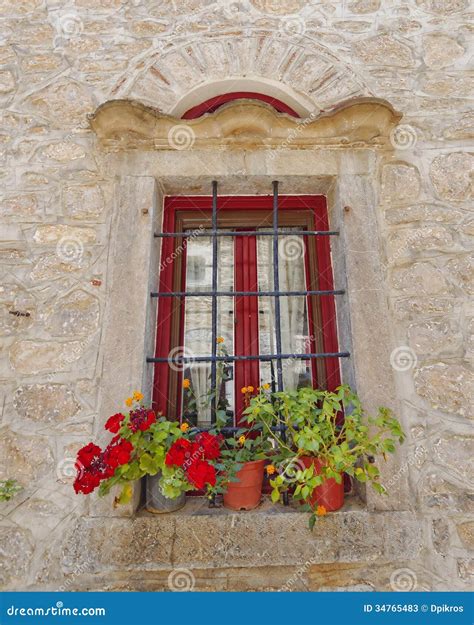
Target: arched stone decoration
pixel 127 125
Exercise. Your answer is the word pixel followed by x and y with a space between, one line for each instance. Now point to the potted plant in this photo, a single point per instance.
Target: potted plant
pixel 145 444
pixel 241 469
pixel 320 446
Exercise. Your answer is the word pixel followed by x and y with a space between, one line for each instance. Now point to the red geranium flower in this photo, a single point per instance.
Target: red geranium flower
pixel 201 473
pixel 118 452
pixel 114 423
pixel 86 482
pixel 209 445
pixel 141 419
pixel 179 452
pixel 87 455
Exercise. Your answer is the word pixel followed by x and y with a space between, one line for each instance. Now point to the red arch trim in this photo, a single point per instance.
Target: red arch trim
pixel 211 105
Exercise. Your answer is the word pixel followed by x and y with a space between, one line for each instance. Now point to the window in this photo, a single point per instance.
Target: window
pixel 285 336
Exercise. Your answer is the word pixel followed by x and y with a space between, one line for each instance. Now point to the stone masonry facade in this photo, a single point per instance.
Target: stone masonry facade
pixel 59 61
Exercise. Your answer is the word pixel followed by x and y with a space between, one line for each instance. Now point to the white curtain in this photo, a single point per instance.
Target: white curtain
pixel 198 315
pixel 292 309
pixel 200 379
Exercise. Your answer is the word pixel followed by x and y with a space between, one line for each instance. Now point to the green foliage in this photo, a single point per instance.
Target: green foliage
pixel 315 427
pixel 8 489
pixel 148 458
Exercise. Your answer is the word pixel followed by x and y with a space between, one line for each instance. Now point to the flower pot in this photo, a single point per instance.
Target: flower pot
pixel 330 494
pixel 246 493
pixel 156 502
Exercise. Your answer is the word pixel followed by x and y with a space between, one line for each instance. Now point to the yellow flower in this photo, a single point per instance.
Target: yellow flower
pixel 137 396
pixel 250 389
pixel 220 339
pixel 242 439
pixel 266 386
pixel 184 427
pixel 271 469
pixel 243 390
pixel 129 401
pixel 321 511
pixel 186 383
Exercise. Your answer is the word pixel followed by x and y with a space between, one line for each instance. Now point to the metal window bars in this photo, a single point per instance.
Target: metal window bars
pixel 276 294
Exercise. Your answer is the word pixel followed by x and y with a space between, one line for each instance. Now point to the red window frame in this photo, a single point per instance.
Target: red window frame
pixel 172 278
pixel 211 105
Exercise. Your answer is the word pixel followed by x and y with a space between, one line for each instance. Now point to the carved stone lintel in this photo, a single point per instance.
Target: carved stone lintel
pixel 127 125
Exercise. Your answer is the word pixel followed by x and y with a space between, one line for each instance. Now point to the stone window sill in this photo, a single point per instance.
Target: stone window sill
pixel 256 550
pixel 198 506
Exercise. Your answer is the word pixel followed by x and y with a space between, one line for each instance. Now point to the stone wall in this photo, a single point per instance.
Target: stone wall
pixel 58 208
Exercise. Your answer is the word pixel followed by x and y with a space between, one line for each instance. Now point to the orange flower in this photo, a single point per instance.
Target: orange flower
pixel 266 386
pixel 243 390
pixel 250 389
pixel 137 396
pixel 321 511
pixel 184 427
pixel 129 401
pixel 186 383
pixel 220 339
pixel 270 469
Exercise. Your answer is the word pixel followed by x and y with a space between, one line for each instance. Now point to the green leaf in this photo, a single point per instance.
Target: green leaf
pixel 379 488
pixel 125 495
pixel 149 465
pixel 275 495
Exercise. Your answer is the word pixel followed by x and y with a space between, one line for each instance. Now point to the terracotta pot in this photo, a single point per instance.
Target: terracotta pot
pixel 246 493
pixel 158 503
pixel 330 494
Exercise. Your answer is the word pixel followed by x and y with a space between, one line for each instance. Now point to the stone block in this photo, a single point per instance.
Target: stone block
pixel 32 357
pixel 75 314
pixel 447 387
pixel 24 458
pixel 16 553
pixel 466 534
pixel 451 175
pixel 383 50
pixel 45 403
pixel 400 183
pixel 420 279
pixel 440 50
pixel 438 493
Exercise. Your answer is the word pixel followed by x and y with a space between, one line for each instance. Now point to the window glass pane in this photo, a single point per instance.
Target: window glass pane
pixel 198 328
pixel 295 337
